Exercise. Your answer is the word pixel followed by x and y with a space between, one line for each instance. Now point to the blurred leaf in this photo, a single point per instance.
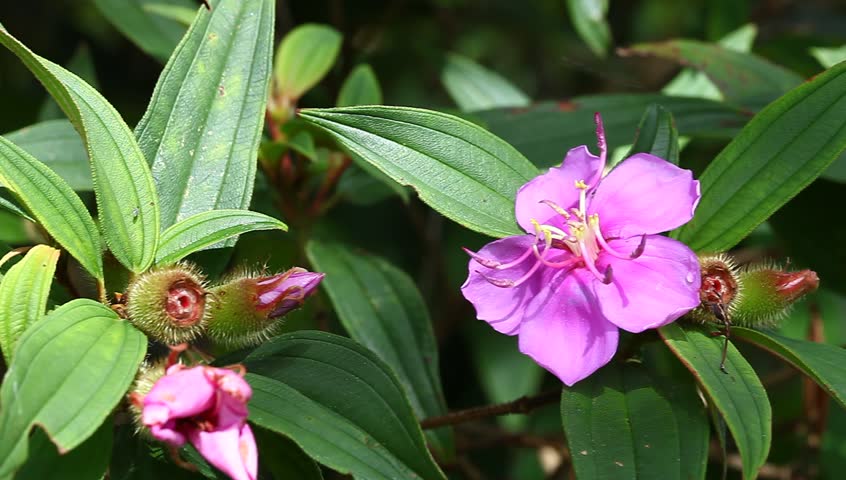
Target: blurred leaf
pixel 588 17
pixel 175 12
pixel 82 65
pixel 473 87
pixel 381 308
pixel 774 157
pixel 624 422
pixel 88 461
pixel 693 83
pixel 360 88
pixel 504 373
pixel 11 206
pixel 545 132
pixel 303 143
pixel 52 202
pixel 657 134
pixel 829 57
pixel 462 171
pixel 203 230
pixel 153 33
pixel 122 180
pixel 283 458
pixel 833 443
pixel 738 395
pixel 340 403
pixel 134 458
pixel 305 55
pixel 23 295
pixel 361 188
pixel 743 78
pixel 202 129
pixel 57 145
pixel 821 362
pixel 69 372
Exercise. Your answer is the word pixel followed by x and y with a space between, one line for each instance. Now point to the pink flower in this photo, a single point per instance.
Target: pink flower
pixel 567 286
pixel 206 406
pixel 286 291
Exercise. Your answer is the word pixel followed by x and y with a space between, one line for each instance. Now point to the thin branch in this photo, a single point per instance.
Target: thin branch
pixel 521 405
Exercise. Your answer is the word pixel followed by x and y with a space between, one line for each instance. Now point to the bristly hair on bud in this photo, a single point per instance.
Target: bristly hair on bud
pixel 770 293
pixel 168 304
pixel 248 308
pixel 720 290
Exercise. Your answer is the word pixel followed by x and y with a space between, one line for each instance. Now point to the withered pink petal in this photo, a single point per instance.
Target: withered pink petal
pixel 232 450
pixel 652 290
pixel 185 392
pixel 644 194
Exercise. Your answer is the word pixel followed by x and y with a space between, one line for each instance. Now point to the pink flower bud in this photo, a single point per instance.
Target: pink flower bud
pixel 286 291
pixel 206 406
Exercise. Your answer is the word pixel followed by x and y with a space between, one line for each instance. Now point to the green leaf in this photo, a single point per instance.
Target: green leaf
pixel 588 17
pixel 783 149
pixel 177 13
pixel 154 34
pixel 69 372
pixel 821 362
pixel 283 458
pixel 303 143
pixel 304 56
pixel 692 83
pixel 474 87
pixel 738 395
pixel 360 88
pixel 23 295
pixel 539 131
pixel 204 230
pixel 126 197
pixel 829 57
pixel 627 422
pixel 11 206
pixel 340 403
pixel 52 202
pixel 82 65
pixel 462 171
pixel 88 461
pixel 57 145
pixel 657 135
pixel 202 129
pixel 743 78
pixel 381 308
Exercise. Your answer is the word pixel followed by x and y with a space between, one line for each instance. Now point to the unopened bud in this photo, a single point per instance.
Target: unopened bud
pixel 168 304
pixel 769 293
pixel 247 310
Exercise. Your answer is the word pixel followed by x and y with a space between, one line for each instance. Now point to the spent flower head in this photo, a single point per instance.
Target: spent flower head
pixel 592 260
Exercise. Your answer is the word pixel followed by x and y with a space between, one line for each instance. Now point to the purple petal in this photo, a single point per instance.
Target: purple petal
pixel 232 450
pixel 286 291
pixel 184 392
pixel 501 307
pixel 644 194
pixel 652 290
pixel 564 330
pixel 235 392
pixel 166 432
pixel 557 185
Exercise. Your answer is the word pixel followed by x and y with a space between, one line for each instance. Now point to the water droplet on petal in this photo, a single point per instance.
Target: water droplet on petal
pixel 689 277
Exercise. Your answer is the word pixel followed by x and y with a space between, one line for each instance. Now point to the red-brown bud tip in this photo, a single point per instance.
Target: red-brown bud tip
pixel 794 285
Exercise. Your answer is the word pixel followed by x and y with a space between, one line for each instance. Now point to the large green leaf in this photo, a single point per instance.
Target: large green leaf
pixel 340 403
pixel 304 56
pixel 23 295
pixel 743 78
pixel 738 394
pixel 82 65
pixel 461 170
pixel 474 87
pixel 657 134
pixel 626 422
pixel 126 198
pixel 57 145
pixel 69 372
pixel 88 461
pixel 204 230
pixel 283 458
pixel 202 129
pixel 822 362
pixel 381 308
pixel 546 131
pixel 52 202
pixel 360 88
pixel 152 32
pixel 588 17
pixel 779 153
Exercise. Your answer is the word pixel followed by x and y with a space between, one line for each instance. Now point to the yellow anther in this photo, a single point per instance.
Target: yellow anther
pixel 593 219
pixel 581 185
